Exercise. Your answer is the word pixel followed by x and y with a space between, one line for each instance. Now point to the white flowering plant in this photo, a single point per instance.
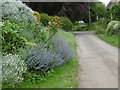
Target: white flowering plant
pixel 12 69
pixel 1 24
pixel 113 27
pixel 17 11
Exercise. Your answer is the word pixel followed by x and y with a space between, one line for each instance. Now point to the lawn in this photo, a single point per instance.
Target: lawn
pixel 113 40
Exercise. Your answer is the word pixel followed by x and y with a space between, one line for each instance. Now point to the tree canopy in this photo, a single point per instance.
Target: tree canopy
pixel 97 10
pixel 75 11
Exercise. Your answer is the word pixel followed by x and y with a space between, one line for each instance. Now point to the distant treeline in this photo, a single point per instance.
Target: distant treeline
pixel 73 10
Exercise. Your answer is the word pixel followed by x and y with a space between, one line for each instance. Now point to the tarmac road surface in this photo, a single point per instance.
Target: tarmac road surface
pixel 98 62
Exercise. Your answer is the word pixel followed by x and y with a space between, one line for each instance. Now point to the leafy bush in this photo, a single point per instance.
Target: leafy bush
pixel 80 27
pixel 47 56
pixel 53 26
pixel 99 29
pixel 45 18
pixel 17 12
pixel 97 9
pixel 101 25
pixel 66 23
pixel 115 11
pixel 11 38
pixel 103 22
pixel 43 35
pixel 12 69
pixel 113 27
pixel 16 36
pixel 32 32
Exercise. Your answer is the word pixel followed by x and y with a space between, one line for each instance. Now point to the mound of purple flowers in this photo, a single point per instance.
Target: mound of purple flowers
pixel 61 47
pixel 50 55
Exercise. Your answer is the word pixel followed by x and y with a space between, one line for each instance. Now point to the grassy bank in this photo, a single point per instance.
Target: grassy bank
pixel 59 77
pixel 113 40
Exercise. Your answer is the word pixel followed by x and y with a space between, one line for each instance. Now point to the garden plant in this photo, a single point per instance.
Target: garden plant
pixel 32 48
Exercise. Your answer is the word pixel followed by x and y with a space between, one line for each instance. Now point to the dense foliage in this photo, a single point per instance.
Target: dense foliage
pixel 17 12
pixel 11 38
pixel 45 18
pixel 101 25
pixel 80 28
pixel 29 42
pixel 73 10
pixel 50 78
pixel 97 11
pixel 113 27
pixel 115 12
pixel 16 36
pixel 12 69
pixel 66 23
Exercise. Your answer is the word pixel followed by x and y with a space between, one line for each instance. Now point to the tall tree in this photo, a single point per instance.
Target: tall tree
pixel 73 10
pixel 97 10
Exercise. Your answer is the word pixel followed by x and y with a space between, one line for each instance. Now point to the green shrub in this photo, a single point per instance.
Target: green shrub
pixel 16 36
pixel 115 11
pixel 45 18
pixel 113 27
pixel 80 27
pixel 43 35
pixel 103 22
pixel 32 32
pixel 99 29
pixel 101 25
pixel 11 38
pixel 66 23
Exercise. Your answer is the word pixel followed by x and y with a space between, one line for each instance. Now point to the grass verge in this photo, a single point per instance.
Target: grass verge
pixel 113 40
pixel 59 77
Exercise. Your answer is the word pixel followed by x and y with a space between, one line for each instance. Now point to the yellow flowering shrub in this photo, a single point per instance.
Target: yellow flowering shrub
pixel 37 14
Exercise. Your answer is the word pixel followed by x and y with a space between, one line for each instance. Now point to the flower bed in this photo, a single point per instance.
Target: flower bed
pixel 29 45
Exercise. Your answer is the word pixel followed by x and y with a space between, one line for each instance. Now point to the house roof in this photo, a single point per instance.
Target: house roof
pixel 112 2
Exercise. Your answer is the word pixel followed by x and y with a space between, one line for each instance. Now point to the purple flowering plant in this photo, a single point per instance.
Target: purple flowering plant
pixel 46 56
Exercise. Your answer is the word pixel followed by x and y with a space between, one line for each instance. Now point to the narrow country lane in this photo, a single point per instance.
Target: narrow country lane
pixel 98 62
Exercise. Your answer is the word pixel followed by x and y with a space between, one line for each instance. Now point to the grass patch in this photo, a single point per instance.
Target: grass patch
pixel 60 77
pixel 69 37
pixel 64 76
pixel 113 40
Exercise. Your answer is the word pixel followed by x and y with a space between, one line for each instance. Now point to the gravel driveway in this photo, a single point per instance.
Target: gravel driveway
pixel 98 62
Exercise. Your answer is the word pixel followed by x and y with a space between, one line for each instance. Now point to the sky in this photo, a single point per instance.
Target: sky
pixel 105 1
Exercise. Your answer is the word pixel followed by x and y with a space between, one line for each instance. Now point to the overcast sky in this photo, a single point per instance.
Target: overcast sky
pixel 105 1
